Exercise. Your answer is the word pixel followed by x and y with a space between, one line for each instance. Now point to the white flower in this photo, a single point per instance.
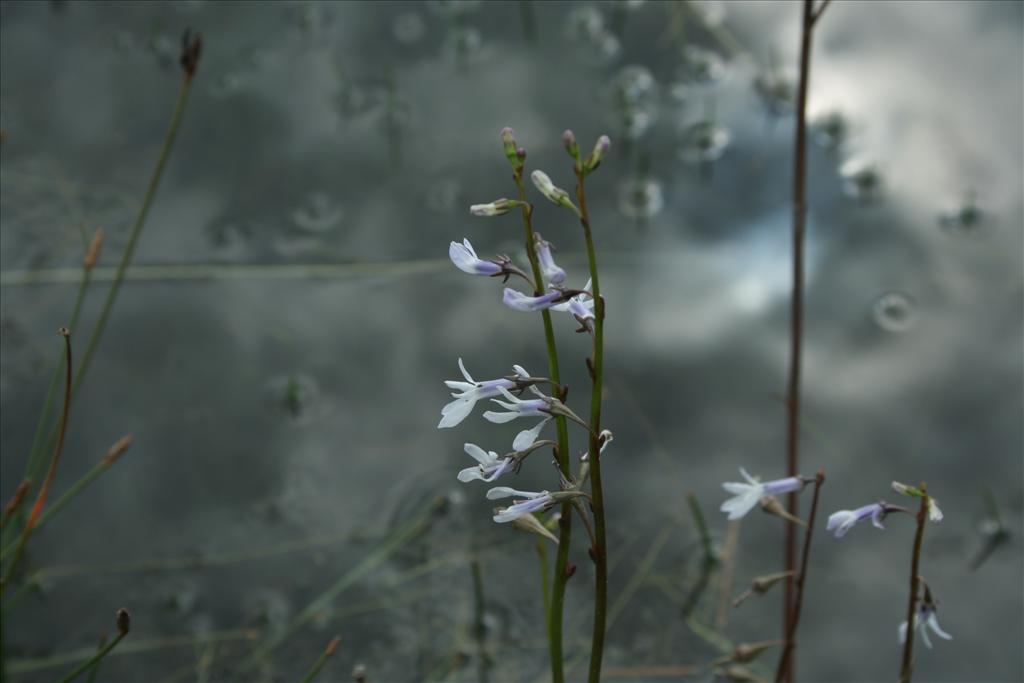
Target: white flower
pixel 925 615
pixel 471 392
pixel 465 259
pixel 532 501
pixel 747 496
pixel 842 521
pixel 490 468
pixel 517 407
pixel 527 437
pixel 934 513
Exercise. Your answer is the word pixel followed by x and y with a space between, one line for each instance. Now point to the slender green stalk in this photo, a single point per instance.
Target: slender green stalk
pixel 123 627
pixel 94 660
pixel 122 268
pixel 328 652
pixel 479 627
pixel 545 587
pixel 786 660
pixel 708 562
pixel 907 667
pixel 395 542
pixel 37 507
pixel 75 489
pixel 557 603
pixel 596 365
pixel 96 669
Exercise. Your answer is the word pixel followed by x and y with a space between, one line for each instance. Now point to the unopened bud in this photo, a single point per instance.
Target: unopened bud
pixel 64 332
pixel 570 569
pixel 92 255
pixel 547 188
pixel 570 144
pixel 738 673
pixel 934 513
pixel 508 141
pixel 124 621
pixel 191 47
pixel 601 148
pixel 495 208
pixel 771 505
pixel 745 652
pixel 117 450
pixel 532 525
pixel 332 646
pixel 359 673
pixel 761 585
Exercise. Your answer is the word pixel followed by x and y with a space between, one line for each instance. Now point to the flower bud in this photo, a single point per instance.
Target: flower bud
pixel 495 208
pixel 508 141
pixel 124 621
pixel 570 144
pixel 530 524
pixel 601 148
pixel 547 188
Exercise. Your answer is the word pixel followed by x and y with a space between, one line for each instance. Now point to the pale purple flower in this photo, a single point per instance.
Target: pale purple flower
pixel 491 465
pixel 471 391
pixel 552 273
pixel 580 307
pixel 842 521
pixel 531 501
pixel 517 407
pixel 924 620
pixel 465 259
pixel 518 301
pixel 747 496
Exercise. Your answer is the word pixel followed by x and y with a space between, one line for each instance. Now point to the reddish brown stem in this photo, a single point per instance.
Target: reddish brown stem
pixel 907 667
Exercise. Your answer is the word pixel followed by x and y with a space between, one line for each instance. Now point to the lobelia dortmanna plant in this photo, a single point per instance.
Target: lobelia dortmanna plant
pixel 922 606
pixel 523 395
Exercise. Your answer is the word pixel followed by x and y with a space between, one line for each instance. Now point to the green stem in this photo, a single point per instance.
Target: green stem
pixel 907 667
pixel 600 550
pixel 545 587
pixel 94 660
pixel 122 268
pixel 321 660
pixel 96 669
pixel 66 498
pixel 557 604
pixel 479 627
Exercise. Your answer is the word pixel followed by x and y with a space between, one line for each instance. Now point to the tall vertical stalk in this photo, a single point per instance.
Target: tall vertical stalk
pixel 557 603
pixel 907 667
pixel 596 367
pixel 797 303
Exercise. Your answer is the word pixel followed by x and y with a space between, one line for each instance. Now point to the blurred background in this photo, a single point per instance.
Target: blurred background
pixel 279 346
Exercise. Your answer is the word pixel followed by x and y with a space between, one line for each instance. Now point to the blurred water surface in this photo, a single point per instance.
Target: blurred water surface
pixel 279 349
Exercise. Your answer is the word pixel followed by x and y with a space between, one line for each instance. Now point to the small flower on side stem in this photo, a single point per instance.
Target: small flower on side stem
pixel 508 143
pixel 491 465
pixel 543 406
pixel 530 502
pixel 472 391
pixel 580 307
pixel 552 273
pixel 518 301
pixel 842 521
pixel 747 496
pixel 925 619
pixel 465 259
